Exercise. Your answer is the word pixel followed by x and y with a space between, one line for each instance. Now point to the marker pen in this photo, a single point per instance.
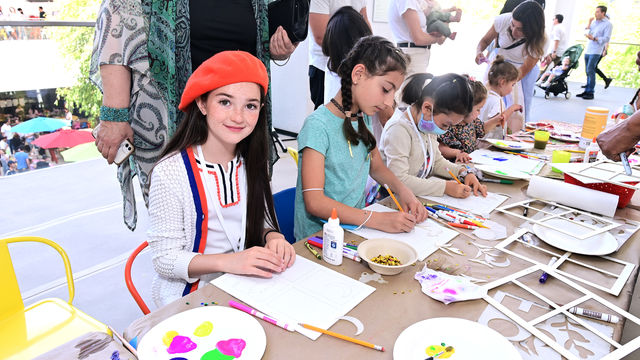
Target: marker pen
pixel 544 276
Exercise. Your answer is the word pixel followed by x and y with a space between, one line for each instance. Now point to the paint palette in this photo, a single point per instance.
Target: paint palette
pixel 452 338
pixel 510 145
pixel 205 333
pixel 600 244
pixel 566 137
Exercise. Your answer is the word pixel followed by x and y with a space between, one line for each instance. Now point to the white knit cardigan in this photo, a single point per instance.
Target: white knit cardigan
pixel 171 207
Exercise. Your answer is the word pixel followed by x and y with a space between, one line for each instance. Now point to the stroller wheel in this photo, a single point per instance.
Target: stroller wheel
pixel 534 91
pixel 546 95
pixel 567 95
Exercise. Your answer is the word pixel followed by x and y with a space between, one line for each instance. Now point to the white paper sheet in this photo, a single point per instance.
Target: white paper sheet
pixel 475 204
pixel 424 238
pixel 503 160
pixel 573 195
pixel 305 293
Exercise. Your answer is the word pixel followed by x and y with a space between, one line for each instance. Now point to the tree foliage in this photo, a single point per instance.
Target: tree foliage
pixel 75 44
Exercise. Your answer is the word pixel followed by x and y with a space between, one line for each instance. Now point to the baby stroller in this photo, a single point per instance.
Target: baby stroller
pixel 559 84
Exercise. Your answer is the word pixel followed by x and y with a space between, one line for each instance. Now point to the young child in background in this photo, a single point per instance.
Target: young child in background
pixel 338 152
pixel 554 72
pixel 438 19
pixel 462 139
pixel 502 77
pixel 409 140
pixel 210 203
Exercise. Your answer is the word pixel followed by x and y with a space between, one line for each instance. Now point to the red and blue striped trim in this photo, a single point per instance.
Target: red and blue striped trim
pixel 202 212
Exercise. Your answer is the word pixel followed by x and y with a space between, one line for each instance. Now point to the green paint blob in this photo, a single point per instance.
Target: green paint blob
pixel 216 355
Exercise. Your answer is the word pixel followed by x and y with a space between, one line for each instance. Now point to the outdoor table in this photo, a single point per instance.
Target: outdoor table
pixel 90 346
pixel 399 303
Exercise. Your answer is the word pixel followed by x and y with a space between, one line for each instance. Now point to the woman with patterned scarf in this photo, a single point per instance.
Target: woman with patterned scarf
pixel 145 50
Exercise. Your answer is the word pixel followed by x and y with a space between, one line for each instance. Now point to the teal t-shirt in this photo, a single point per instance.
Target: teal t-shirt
pixel 345 176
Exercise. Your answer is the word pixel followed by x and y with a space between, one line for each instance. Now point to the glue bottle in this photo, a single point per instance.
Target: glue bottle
pixel 332 240
pixel 591 152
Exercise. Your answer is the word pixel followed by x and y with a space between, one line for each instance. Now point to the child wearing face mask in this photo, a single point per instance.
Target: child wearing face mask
pixel 409 140
pixel 338 151
pixel 462 139
pixel 502 78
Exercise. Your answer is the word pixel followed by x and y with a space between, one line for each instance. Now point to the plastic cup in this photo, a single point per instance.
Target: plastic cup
pixel 560 156
pixel 540 138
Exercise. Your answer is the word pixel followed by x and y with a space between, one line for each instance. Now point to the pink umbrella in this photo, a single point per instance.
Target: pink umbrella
pixel 64 139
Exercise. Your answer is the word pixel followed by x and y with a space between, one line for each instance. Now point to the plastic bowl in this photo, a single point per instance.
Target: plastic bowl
pixel 371 248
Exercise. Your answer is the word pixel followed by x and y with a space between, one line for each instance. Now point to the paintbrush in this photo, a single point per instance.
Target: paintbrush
pixel 446 350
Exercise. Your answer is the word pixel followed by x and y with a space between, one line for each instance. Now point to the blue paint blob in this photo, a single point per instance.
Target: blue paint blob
pixel 179 358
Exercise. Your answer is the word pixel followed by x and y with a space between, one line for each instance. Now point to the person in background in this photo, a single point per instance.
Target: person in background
pixel 438 19
pixel 23 159
pixel 142 59
pixel 408 23
pixel 521 39
pixel 598 35
pixel 551 73
pixel 4 163
pixel 320 11
pixel 502 79
pixel 559 40
pixel 42 14
pixel 12 168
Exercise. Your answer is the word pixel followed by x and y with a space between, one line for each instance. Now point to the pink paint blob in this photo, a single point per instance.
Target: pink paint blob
pixel 450 291
pixel 181 344
pixel 231 347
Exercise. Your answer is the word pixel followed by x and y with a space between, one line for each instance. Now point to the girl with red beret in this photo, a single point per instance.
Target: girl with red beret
pixel 210 197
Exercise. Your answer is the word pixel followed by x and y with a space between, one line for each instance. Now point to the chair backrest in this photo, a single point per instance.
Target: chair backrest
pixel 284 203
pixel 11 300
pixel 294 154
pixel 127 279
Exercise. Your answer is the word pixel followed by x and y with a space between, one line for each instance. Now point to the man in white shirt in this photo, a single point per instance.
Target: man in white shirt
pixel 320 11
pixel 559 40
pixel 6 130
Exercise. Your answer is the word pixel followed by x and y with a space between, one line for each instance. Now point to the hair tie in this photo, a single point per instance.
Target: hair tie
pixel 472 78
pixel 426 82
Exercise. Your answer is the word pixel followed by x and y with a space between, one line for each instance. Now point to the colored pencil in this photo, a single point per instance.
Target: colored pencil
pixel 394 197
pixel 453 176
pixel 462 226
pixel 343 337
pixel 260 315
pixel 313 251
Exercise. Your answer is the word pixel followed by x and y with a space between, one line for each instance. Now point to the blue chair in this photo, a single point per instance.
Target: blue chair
pixel 284 203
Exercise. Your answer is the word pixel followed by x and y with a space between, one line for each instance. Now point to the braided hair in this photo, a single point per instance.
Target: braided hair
pixel 379 56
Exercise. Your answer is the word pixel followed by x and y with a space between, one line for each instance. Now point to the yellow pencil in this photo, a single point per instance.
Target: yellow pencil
pixel 575 151
pixel 393 197
pixel 453 176
pixel 343 337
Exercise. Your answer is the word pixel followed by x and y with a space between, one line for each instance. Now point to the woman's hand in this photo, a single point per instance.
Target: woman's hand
pixel 280 46
pixel 109 137
pixel 452 188
pixel 480 58
pixel 463 157
pixel 278 244
pixel 472 180
pixel 392 222
pixel 258 261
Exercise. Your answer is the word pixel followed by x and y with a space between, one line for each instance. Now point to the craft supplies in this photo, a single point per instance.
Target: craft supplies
pixel 313 251
pixel 453 176
pixel 625 163
pixel 260 315
pixel 572 195
pixel 290 295
pixel 591 152
pixel 447 288
pixel 332 240
pixel 594 314
pixel 498 181
pixel 343 337
pixel 448 349
pixel 386 260
pixel 595 120
pixel 393 197
pixel 544 276
pixel 347 252
pixel 559 156
pixel 371 251
pixel 477 204
pixel 540 138
pixel 123 341
pixel 462 226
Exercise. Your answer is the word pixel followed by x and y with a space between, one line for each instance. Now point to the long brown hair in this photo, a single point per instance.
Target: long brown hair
pixel 379 56
pixel 531 15
pixel 193 130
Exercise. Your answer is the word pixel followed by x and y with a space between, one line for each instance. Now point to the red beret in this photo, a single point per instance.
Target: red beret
pixel 224 68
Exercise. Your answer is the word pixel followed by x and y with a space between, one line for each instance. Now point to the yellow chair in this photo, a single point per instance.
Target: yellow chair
pixel 26 332
pixel 294 154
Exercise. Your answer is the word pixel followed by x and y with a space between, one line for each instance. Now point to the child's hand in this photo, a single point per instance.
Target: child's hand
pixel 411 204
pixel 472 180
pixel 452 188
pixel 256 261
pixel 463 157
pixel 282 248
pixel 393 222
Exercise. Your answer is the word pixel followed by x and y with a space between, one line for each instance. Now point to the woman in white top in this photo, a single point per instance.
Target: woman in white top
pixel 210 203
pixel 521 39
pixel 408 23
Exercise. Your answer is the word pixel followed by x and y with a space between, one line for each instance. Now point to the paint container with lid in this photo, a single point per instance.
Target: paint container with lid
pixel 595 120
